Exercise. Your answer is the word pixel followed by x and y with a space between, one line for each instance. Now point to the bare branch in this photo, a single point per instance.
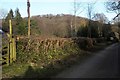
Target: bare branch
pixel 3 13
pixel 112 6
pixel 116 16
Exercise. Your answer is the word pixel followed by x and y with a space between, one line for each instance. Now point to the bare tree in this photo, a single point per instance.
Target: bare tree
pixel 90 7
pixel 115 21
pixel 3 13
pixel 114 6
pixel 78 8
pixel 102 19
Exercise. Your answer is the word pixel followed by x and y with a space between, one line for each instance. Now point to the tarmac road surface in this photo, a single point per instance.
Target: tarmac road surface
pixel 104 64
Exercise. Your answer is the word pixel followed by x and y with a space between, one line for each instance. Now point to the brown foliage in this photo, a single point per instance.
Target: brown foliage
pixel 58 25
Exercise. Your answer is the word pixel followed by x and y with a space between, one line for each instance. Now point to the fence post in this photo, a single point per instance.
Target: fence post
pixel 14 49
pixel 11 45
pixel 8 55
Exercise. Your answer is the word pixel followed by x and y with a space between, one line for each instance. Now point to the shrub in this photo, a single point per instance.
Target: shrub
pixel 44 51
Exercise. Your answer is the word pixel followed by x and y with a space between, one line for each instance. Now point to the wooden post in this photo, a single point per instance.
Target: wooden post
pixel 28 10
pixel 14 49
pixel 10 26
pixel 8 55
pixel 11 45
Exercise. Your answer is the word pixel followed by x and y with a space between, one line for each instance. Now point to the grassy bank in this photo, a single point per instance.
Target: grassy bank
pixel 35 60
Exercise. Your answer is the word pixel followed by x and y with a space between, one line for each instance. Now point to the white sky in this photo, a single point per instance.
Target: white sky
pixel 40 7
pixel 53 0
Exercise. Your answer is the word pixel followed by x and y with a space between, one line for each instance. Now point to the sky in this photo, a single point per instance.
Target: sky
pixel 41 7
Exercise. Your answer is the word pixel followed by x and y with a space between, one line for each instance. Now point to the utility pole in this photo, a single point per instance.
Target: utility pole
pixel 28 10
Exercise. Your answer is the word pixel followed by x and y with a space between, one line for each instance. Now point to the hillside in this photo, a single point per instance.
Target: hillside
pixel 60 25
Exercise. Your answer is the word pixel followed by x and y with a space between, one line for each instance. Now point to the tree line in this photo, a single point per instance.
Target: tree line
pixel 59 25
pixel 19 24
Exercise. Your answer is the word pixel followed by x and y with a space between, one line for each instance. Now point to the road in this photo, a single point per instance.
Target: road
pixel 104 64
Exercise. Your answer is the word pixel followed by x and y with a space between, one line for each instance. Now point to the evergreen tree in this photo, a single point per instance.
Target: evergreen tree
pixel 5 23
pixel 10 15
pixel 18 17
pixel 20 27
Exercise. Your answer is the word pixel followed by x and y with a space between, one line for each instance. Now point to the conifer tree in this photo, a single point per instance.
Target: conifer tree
pixel 5 23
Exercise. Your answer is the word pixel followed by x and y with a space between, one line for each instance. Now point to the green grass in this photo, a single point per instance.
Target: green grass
pixel 14 70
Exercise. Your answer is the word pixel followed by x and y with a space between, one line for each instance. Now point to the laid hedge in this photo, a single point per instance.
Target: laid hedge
pixel 47 50
pixel 42 51
pixel 47 55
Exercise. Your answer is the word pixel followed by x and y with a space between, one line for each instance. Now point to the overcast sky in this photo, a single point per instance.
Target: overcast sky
pixel 40 7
